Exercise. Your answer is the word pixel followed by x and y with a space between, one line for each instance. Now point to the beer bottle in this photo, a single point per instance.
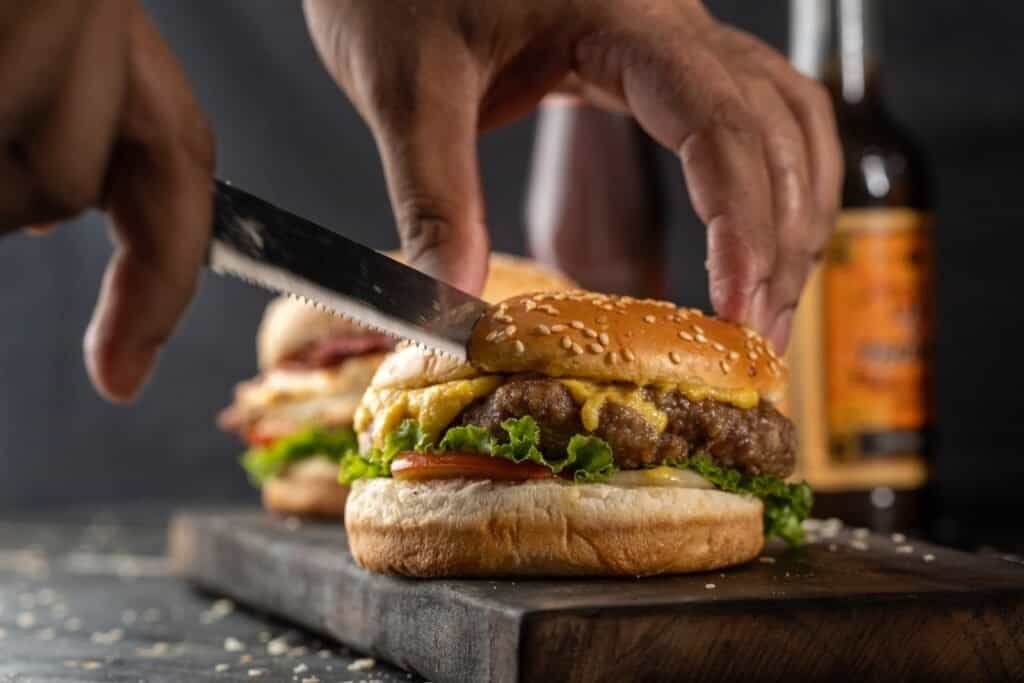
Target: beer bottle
pixel 861 359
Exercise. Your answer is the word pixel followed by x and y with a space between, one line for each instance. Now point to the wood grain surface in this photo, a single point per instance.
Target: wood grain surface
pixel 847 605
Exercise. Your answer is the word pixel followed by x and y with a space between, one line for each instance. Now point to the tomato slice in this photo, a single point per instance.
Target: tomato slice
pixel 258 439
pixel 413 466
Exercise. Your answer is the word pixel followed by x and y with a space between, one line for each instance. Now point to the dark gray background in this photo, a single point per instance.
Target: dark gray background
pixel 951 75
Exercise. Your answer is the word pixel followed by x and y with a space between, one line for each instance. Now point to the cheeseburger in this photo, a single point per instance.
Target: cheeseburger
pixel 314 367
pixel 587 434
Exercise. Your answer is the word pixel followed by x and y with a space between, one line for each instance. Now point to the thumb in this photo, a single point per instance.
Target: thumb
pixel 428 146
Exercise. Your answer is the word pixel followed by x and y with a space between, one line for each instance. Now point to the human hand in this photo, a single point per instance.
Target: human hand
pixel 97 113
pixel 756 140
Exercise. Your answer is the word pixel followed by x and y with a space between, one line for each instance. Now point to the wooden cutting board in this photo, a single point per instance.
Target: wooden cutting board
pixel 848 606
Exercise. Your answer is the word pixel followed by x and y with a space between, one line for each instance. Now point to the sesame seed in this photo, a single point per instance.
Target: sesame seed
pixel 603 338
pixel 577 325
pixel 771 353
pixel 590 334
pixel 709 586
pixel 718 347
pixel 766 559
pixel 628 355
pixel 752 355
pixel 733 355
pixel 577 349
pixel 364 664
pixel 539 297
pixel 929 558
pixel 861 533
pixel 595 348
pixel 905 549
pixel 566 343
pixel 649 318
pixel 899 538
pixel 857 544
pixel 549 309
pixel 725 367
pixel 559 297
pixel 542 330
pixel 558 328
pixel 674 357
pixel 529 304
pixel 701 339
pixel 221 668
pixel 519 346
pixel 698 329
pixel 510 330
pixel 502 318
pixel 612 357
pixel 686 335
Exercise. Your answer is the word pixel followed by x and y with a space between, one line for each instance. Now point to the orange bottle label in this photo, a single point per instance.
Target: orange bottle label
pixel 878 333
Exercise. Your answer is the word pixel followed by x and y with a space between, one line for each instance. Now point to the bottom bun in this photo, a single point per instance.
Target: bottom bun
pixel 309 489
pixel 483 528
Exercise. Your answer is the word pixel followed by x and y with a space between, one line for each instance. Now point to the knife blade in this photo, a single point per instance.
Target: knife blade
pixel 264 245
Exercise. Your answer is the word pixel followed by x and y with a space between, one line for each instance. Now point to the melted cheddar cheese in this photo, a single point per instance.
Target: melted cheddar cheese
pixel 592 397
pixel 434 407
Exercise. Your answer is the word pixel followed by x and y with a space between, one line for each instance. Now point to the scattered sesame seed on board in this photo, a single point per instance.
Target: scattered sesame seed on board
pixel 766 559
pixel 858 544
pixel 364 664
pixel 709 586
pixel 221 668
pixel 861 533
pixel 928 557
pixel 899 538
pixel 905 549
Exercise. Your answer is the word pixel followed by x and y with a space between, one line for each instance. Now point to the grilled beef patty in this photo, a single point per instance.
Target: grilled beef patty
pixel 756 441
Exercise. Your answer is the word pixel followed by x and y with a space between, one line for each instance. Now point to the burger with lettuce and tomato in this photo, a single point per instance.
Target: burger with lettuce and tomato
pixel 588 434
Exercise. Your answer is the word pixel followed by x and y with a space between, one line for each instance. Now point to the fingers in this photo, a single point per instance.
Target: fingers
pixel 428 147
pixel 688 101
pixel 805 163
pixel 159 197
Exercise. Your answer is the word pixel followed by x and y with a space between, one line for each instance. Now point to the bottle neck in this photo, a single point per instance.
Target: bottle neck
pixel 837 42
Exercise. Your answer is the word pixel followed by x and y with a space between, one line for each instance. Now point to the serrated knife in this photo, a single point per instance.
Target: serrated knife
pixel 262 244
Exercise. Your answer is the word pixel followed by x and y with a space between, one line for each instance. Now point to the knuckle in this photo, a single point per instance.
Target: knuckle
pixel 423 225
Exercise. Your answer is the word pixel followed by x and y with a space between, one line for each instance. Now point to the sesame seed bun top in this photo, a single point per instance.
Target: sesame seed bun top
pixel 621 339
pixel 289 324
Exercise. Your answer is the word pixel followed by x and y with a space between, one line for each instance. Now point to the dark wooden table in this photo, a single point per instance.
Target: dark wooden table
pixel 86 596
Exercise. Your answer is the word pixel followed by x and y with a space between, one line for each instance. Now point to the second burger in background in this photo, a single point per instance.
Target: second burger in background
pixel 296 415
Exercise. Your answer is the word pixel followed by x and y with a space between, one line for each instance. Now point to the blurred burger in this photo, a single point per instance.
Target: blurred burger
pixel 297 414
pixel 589 434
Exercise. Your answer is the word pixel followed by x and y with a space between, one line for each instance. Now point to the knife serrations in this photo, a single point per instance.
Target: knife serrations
pixel 267 246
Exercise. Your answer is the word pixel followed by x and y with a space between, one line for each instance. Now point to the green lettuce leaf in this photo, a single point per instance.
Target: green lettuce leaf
pixel 377 463
pixel 588 458
pixel 263 463
pixel 786 505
